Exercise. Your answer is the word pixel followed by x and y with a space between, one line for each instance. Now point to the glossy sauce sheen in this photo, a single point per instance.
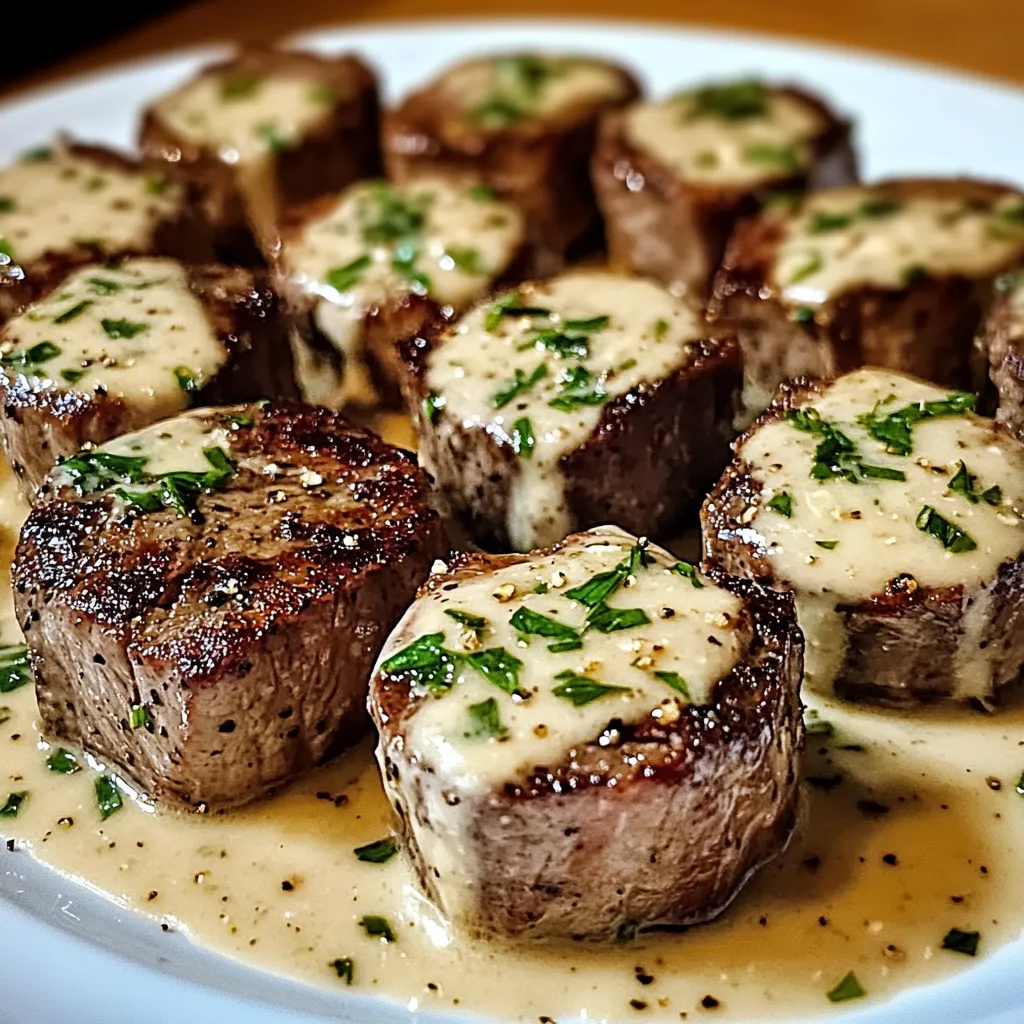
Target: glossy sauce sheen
pixel 649 335
pixel 733 153
pixel 276 885
pixel 61 201
pixel 844 239
pixel 130 332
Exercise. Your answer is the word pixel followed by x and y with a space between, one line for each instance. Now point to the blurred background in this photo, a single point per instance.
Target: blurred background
pixel 977 35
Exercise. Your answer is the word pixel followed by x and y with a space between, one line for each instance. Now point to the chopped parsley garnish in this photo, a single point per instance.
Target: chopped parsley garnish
pixel 822 221
pixel 15 670
pixel 523 441
pixel 6 252
pixel 122 328
pixel 344 968
pixel 476 623
pixel 186 378
pixel 836 455
pixel 108 796
pixel 482 193
pixel 238 419
pixel 499 667
pixel 803 315
pixel 733 101
pixel 781 503
pixel 497 112
pixel 432 406
pixel 784 157
pixel 848 988
pixel 390 219
pixel 322 94
pixel 5 714
pixel 140 717
pixel 809 268
pixel 38 354
pixel 951 537
pixel 63 762
pixel 403 262
pixel 676 681
pixel 76 310
pixel 661 326
pixel 377 928
pixel 828 545
pixel 883 206
pixel 486 720
pixel 958 941
pixel 37 155
pixel 688 571
pixel 531 623
pixel 965 483
pixel 562 646
pixel 1020 785
pixel 578 388
pixel 819 727
pixel 12 808
pixel 611 620
pixel 346 277
pixel 510 304
pixel 378 852
pixel 6 204
pixel 466 260
pixel 520 383
pixel 580 690
pixel 156 186
pixel 599 588
pixel 426 662
pixel 272 137
pixel 242 86
pixel 894 429
pixel 104 285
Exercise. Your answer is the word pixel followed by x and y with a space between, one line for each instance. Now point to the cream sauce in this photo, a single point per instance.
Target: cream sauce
pixel 853 237
pixel 135 331
pixel 649 334
pixel 456 242
pixel 501 91
pixel 276 885
pixel 713 150
pixel 873 524
pixel 61 200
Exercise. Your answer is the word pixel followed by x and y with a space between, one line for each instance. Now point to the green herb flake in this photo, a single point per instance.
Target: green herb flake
pixel 531 623
pixel 822 221
pixel 15 670
pixel 75 311
pixel 819 727
pixel 913 274
pixel 600 587
pixel 104 285
pixel 476 623
pixel 731 101
pixel 1020 785
pixel 957 941
pixel 6 204
pixel 116 329
pixel 426 663
pixel 803 315
pixel 485 719
pixel 37 155
pixel 661 326
pixel 238 419
pixel 63 762
pixel 523 440
pixel 963 482
pixel 951 537
pixel 39 353
pixel 499 667
pixel 564 646
pixel 809 268
pixel 6 252
pixel 782 503
pixel 346 277
pixel 242 86
pixel 432 406
pixel 784 158
pixel 272 137
pixel 482 193
pixel 893 430
pixel 580 690
pixel 12 808
pixel 520 383
pixel 140 717
pixel 108 796
pixel 497 112
pixel 186 378
pixel 828 545
pixel 378 852
pixel 322 94
pixel 377 928
pixel 403 262
pixel 344 968
pixel 156 186
pixel 466 260
pixel 612 620
pixel 578 388
pixel 676 681
pixel 848 988
pixel 510 305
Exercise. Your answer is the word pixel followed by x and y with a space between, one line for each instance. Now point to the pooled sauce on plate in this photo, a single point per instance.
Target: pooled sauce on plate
pixel 913 827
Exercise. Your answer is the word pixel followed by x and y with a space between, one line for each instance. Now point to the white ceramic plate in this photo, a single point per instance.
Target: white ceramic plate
pixel 68 955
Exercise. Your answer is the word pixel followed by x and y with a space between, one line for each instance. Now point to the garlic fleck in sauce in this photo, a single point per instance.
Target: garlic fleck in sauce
pixel 55 200
pixel 134 331
pixel 380 243
pixel 276 885
pixel 507 373
pixel 735 136
pixel 848 238
pixel 843 542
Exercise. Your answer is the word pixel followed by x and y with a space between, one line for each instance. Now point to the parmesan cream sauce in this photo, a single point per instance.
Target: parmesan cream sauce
pixel 465 241
pixel 135 331
pixel 733 153
pixel 649 334
pixel 60 200
pixel 859 889
pixel 873 522
pixel 847 238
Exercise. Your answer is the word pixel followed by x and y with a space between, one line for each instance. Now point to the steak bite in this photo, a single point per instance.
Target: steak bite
pixel 588 740
pixel 673 176
pixel 894 515
pixel 1002 340
pixel 118 346
pixel 897 275
pixel 204 599
pixel 262 132
pixel 523 125
pixel 586 399
pixel 68 204
pixel 373 266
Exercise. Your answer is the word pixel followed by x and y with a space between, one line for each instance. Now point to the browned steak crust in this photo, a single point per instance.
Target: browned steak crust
pixel 249 633
pixel 1001 340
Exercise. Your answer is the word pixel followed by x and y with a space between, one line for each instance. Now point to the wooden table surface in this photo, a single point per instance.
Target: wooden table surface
pixel 983 36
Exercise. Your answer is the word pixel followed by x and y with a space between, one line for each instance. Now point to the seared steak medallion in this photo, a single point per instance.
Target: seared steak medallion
pixel 894 515
pixel 583 741
pixel 204 599
pixel 1001 339
pixel 118 346
pixel 523 125
pixel 590 398
pixel 68 204
pixel 672 177
pixel 264 131
pixel 898 275
pixel 373 266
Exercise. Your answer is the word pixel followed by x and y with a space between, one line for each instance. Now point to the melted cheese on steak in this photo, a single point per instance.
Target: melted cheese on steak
pixel 134 331
pixel 843 542
pixel 537 380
